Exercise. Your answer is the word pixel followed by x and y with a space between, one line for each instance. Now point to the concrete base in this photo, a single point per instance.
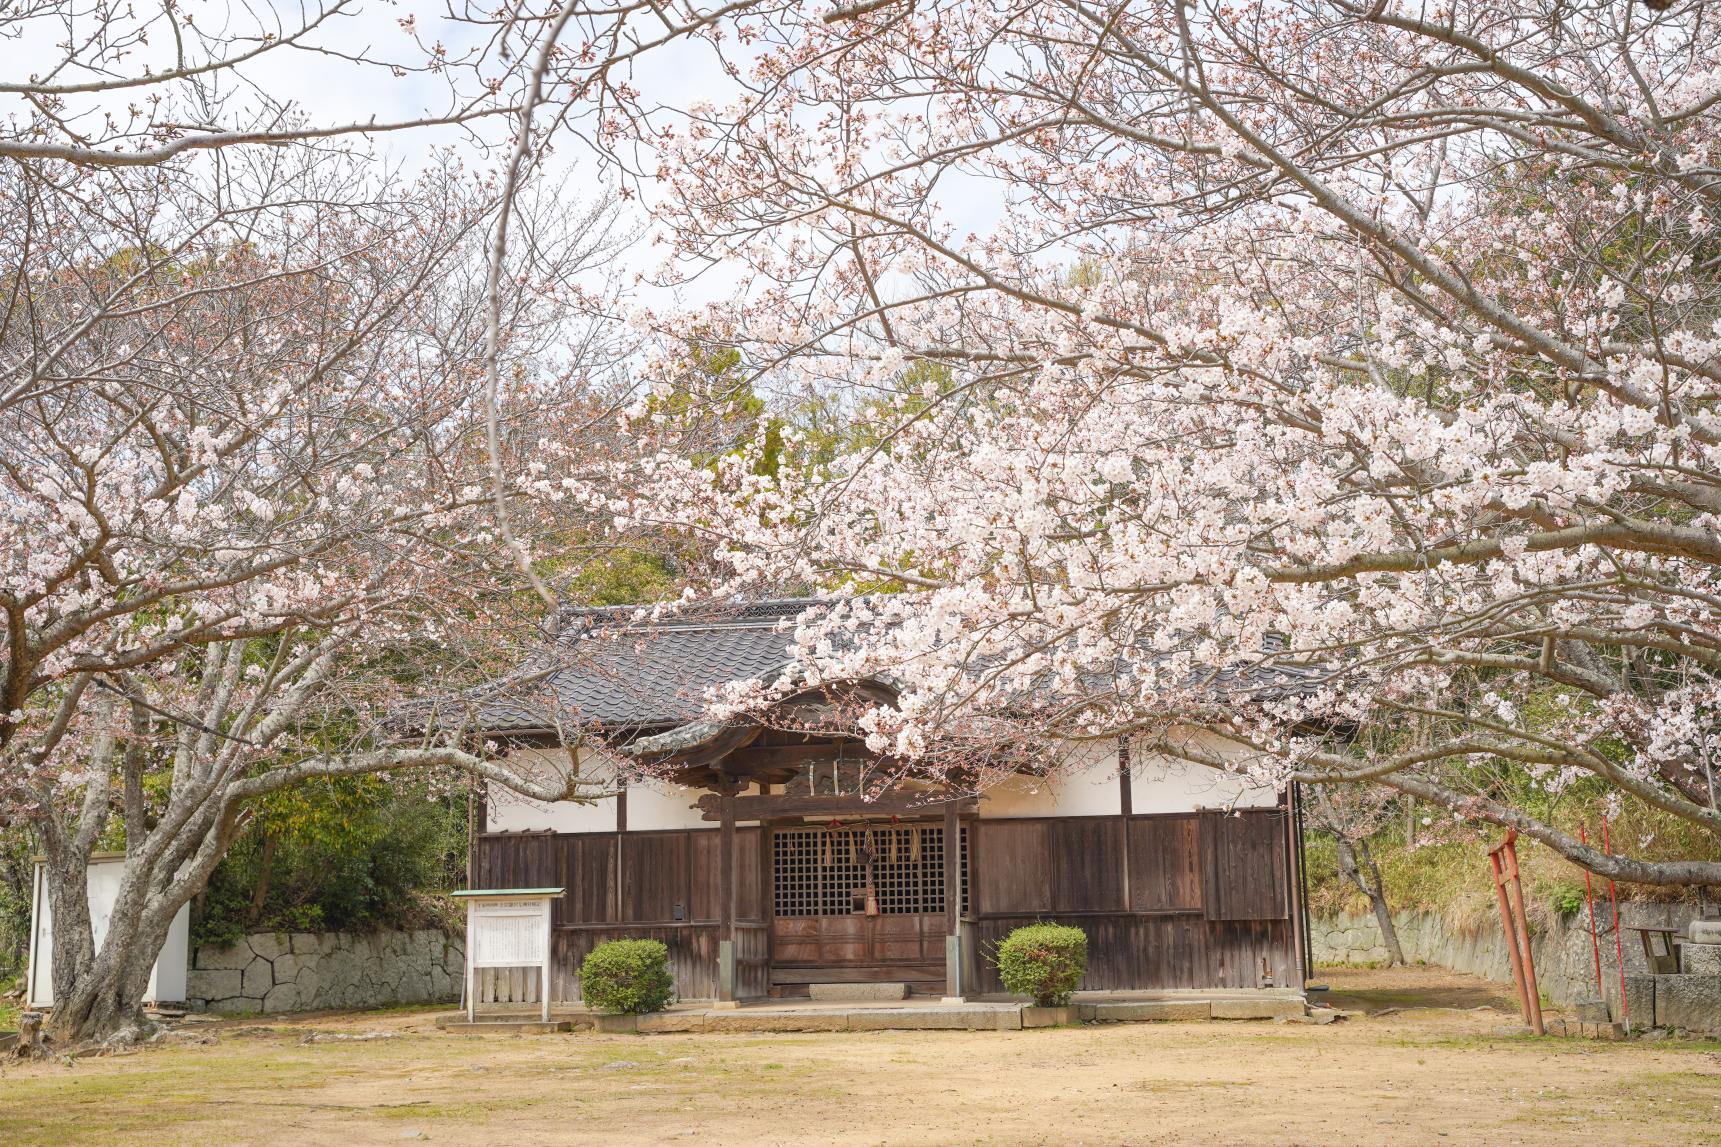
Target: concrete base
pixel 857 991
pixel 908 1015
pixel 1037 1017
pixel 616 1025
pixel 1264 1008
pixel 506 1027
pixel 1146 1011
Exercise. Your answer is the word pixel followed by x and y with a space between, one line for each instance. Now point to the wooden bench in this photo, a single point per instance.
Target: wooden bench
pixel 1660 949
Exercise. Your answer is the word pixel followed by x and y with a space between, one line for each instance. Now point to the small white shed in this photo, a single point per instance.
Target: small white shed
pixel 166 983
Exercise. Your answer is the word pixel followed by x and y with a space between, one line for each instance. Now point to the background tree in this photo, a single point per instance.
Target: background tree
pixel 1351 817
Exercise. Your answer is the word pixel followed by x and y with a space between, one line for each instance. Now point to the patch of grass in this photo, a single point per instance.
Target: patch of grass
pixel 1170 1086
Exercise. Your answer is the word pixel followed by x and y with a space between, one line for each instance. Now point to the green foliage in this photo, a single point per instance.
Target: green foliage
pixel 1045 961
pixel 1566 898
pixel 629 976
pixel 623 577
pixel 16 872
pixel 352 854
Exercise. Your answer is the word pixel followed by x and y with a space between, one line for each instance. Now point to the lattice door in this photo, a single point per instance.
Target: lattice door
pixel 831 872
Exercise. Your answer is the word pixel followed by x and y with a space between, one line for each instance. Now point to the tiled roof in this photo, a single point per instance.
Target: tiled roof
pixel 614 669
pixel 618 668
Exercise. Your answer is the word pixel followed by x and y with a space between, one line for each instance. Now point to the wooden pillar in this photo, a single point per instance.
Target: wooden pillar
pixel 726 892
pixel 1126 807
pixel 1126 800
pixel 952 869
pixel 953 986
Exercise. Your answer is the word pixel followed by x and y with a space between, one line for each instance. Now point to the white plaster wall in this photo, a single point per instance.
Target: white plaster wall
pixel 166 982
pixel 650 804
pixel 1087 785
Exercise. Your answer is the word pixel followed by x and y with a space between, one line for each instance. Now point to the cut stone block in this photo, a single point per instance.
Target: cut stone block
pixel 661 1023
pixel 282 998
pixel 942 1019
pixel 1704 931
pixel 1138 1011
pixel 744 1021
pixel 1592 1011
pixel 617 1025
pixel 1700 959
pixel 219 985
pixel 1640 996
pixel 232 958
pixel 1266 1008
pixel 1037 1017
pixel 1690 1003
pixel 507 1027
pixel 858 991
pixel 259 977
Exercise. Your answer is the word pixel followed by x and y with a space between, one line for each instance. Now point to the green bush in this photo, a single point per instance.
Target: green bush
pixel 627 976
pixel 1045 961
pixel 349 854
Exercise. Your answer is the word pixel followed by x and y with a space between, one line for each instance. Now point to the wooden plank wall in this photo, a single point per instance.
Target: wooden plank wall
pixel 1203 899
pixel 630 886
pixel 1168 901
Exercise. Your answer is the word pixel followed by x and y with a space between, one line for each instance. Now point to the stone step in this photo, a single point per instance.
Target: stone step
pixel 504 1027
pixel 858 992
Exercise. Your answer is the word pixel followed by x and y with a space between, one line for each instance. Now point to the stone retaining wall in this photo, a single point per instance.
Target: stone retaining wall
pixel 303 971
pixel 1565 961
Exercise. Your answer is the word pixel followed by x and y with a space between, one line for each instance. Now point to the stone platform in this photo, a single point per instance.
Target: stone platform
pixel 908 1015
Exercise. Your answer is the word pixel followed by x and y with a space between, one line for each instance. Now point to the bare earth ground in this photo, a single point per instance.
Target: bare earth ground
pixel 1405 1075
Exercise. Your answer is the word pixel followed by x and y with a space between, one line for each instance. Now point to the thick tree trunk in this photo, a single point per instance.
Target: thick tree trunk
pixel 73 941
pixel 108 999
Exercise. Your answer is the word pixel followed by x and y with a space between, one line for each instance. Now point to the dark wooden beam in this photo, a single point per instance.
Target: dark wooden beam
pixel 1126 800
pixel 726 865
pixel 794 756
pixel 758 807
pixel 952 871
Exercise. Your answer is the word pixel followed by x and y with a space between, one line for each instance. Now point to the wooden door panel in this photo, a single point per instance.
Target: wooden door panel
pixel 1165 863
pixel 1243 866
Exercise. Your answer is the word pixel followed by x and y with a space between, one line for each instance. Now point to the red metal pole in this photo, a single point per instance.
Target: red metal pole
pixel 1510 932
pixel 1618 943
pixel 1516 888
pixel 1590 899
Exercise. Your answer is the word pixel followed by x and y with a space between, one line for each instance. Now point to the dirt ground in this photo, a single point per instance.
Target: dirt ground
pixel 1404 1074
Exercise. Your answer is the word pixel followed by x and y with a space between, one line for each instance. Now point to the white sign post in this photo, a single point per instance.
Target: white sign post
pixel 508 928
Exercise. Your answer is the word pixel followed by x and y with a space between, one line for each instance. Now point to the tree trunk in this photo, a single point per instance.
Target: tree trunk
pixel 1374 889
pixel 108 999
pixel 73 941
pixel 265 860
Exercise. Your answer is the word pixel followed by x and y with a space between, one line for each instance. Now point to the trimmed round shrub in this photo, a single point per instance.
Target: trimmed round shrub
pixel 1045 961
pixel 627 976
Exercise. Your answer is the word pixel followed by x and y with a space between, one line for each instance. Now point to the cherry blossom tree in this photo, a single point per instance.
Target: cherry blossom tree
pixel 244 505
pixel 115 85
pixel 1200 347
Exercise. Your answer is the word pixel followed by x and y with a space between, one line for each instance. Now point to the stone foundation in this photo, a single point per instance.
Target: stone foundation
pixel 302 971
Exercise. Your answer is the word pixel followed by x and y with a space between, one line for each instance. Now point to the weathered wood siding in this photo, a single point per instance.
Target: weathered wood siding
pixel 1197 900
pixel 633 886
pixel 1185 900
